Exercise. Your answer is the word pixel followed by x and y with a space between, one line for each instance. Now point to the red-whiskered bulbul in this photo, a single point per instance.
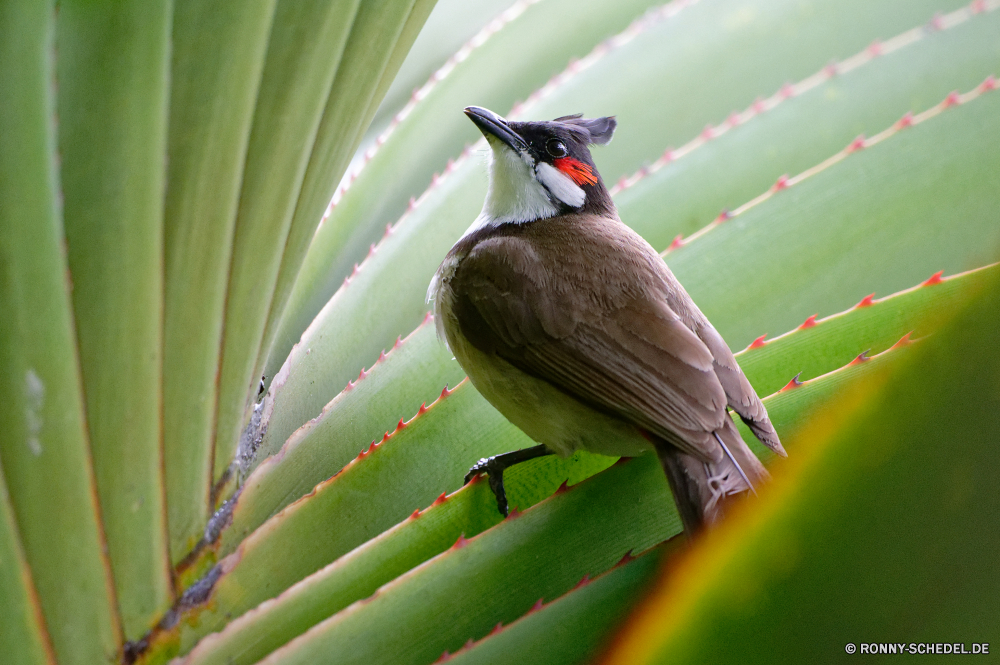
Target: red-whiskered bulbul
pixel 574 328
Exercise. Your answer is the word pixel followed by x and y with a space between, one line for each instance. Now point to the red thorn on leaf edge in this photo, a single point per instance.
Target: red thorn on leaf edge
pixel 441 499
pixel 400 425
pixel 708 133
pixel 830 70
pixel 978 6
pixel 625 559
pixel 862 357
pixel 537 606
pixel 445 392
pixel 460 543
pixel 951 100
pixel 734 119
pixel 399 342
pixel 905 121
pixel 758 343
pixel 475 479
pixel 445 657
pixel 412 204
pixel 723 216
pixel 787 91
pixel 496 629
pixel 936 23
pixel 867 301
pixel 428 317
pixel 668 155
pixel 676 243
pixel 758 105
pixel 354 270
pixel 875 48
pixel 583 582
pixel 809 323
pixel 513 513
pixel 471 643
pixel 422 410
pixel 381 357
pixel 562 489
pixel 933 279
pixel 781 184
pixel 857 144
pixel 415 514
pixel 989 84
pixel 903 341
pixel 793 384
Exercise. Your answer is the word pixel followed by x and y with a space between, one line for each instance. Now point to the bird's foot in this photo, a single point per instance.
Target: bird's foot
pixel 493 467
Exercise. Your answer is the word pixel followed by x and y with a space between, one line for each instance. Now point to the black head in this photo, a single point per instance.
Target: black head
pixel 555 155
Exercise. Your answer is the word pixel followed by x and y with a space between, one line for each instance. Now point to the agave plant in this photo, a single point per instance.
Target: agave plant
pixel 164 171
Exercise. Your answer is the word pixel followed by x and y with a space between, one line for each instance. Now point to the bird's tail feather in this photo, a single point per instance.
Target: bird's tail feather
pixel 700 488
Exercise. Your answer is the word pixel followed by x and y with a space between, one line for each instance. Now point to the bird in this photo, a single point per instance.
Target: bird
pixel 573 327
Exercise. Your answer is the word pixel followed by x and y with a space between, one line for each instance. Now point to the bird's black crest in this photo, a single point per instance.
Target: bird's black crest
pixel 590 130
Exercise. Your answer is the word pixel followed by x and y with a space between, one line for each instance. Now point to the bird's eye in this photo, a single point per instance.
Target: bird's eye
pixel 556 148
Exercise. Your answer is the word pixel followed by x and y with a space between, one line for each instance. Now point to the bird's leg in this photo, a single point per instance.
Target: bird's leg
pixel 496 465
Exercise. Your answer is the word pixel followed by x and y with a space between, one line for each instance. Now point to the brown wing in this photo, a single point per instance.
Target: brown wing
pixel 620 349
pixel 741 396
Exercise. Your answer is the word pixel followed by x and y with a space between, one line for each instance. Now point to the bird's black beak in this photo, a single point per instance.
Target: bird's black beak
pixel 490 124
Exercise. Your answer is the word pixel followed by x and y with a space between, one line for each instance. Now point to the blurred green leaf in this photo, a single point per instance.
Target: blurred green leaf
pixel 43 432
pixel 23 638
pixel 112 68
pixel 879 529
pixel 382 33
pixel 867 93
pixel 217 56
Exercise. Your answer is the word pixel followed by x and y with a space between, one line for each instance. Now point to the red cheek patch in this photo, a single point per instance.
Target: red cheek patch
pixel 578 172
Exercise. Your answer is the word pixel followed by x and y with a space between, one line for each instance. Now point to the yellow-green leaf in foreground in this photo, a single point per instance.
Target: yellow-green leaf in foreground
pixel 880 529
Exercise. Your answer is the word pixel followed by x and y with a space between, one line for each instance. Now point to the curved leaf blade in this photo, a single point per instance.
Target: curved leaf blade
pixel 44 434
pixel 815 552
pixel 112 68
pixel 216 63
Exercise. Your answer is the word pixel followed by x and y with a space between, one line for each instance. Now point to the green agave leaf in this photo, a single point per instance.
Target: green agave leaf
pixel 744 47
pixel 304 50
pixel 382 33
pixel 396 275
pixel 216 62
pixel 572 627
pixel 819 346
pixel 804 123
pixel 112 71
pixel 411 374
pixel 875 529
pixel 356 575
pixel 431 129
pixel 377 489
pixel 499 574
pixel 23 638
pixel 878 217
pixel 44 442
pixel 449 27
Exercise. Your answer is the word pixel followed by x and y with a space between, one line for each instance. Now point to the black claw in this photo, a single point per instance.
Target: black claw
pixel 494 467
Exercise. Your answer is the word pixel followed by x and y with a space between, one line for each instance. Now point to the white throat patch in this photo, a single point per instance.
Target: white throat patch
pixel 516 195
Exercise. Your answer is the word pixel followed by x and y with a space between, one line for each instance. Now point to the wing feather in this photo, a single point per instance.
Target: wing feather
pixel 632 356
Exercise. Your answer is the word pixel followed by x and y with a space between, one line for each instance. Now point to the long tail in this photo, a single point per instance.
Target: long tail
pixel 700 488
